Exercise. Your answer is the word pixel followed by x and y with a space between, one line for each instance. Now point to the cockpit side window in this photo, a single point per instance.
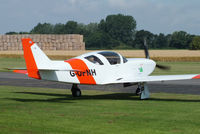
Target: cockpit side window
pixel 124 59
pixel 94 60
pixel 112 57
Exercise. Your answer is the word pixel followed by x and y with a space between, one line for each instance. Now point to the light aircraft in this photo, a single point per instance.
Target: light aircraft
pixel 95 68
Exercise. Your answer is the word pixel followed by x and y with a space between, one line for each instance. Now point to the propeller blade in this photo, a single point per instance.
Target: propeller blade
pixel 163 67
pixel 146 51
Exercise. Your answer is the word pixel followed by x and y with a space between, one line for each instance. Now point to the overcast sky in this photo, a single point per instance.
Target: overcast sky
pixel 157 16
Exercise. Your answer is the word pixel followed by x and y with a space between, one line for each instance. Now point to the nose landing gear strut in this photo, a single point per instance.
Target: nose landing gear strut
pixel 143 91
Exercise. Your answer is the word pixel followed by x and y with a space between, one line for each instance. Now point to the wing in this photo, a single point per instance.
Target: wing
pixel 168 77
pixel 158 78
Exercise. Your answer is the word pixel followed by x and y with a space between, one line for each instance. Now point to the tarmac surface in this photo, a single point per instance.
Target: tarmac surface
pixel 179 87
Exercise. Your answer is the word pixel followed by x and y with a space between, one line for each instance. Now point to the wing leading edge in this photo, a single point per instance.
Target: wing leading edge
pixel 159 78
pixel 168 77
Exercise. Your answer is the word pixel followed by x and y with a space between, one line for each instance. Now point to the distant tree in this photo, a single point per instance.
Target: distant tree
pixel 161 41
pixel 102 25
pixel 180 40
pixel 58 28
pixel 88 30
pixel 119 27
pixel 45 28
pixel 139 39
pixel 11 33
pixel 195 44
pixel 71 27
pixel 100 40
pixel 84 30
pixel 168 37
pixel 23 32
pixel 92 27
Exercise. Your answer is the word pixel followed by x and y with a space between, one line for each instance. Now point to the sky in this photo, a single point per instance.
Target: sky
pixel 156 16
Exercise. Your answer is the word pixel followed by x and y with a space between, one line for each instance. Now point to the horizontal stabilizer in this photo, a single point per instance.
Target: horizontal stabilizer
pixel 14 68
pixel 21 71
pixel 24 71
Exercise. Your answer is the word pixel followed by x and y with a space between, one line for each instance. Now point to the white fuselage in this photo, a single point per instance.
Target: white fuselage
pixel 102 74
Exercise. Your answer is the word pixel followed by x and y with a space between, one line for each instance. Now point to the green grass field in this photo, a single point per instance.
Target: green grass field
pixel 11 63
pixel 25 110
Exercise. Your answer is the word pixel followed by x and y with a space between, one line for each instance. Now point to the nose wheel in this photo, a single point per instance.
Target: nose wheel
pixel 76 92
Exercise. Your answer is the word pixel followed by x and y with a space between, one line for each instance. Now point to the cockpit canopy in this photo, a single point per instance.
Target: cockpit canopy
pixel 112 57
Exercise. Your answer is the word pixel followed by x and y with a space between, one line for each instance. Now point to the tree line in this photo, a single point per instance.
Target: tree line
pixel 118 32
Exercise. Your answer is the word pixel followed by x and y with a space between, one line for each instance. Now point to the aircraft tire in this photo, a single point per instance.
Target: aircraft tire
pixel 76 92
pixel 138 91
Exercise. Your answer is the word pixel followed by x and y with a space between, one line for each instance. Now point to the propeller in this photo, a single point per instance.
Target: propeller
pixel 146 51
pixel 163 67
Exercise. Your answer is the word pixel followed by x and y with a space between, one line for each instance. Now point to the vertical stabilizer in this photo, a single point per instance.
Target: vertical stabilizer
pixel 34 57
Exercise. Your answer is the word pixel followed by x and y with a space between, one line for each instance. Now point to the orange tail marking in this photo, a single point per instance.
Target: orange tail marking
pixel 30 61
pixel 78 64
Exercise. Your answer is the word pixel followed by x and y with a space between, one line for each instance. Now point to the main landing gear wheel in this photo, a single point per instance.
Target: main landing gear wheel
pixel 138 91
pixel 76 92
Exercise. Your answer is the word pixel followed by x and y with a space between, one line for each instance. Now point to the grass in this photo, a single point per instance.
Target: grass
pixel 34 110
pixel 40 110
pixel 11 63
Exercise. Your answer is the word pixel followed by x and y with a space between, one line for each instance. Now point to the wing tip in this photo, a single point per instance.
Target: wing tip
pixel 196 77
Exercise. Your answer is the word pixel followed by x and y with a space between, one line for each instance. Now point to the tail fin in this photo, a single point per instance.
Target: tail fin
pixel 34 57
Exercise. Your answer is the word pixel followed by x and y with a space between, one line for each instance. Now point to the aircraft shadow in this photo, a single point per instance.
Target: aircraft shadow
pixel 113 96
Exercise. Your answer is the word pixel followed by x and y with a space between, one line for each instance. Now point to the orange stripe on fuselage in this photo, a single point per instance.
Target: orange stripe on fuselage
pixel 78 64
pixel 30 61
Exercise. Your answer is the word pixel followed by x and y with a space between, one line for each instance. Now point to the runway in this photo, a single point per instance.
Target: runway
pixel 179 87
